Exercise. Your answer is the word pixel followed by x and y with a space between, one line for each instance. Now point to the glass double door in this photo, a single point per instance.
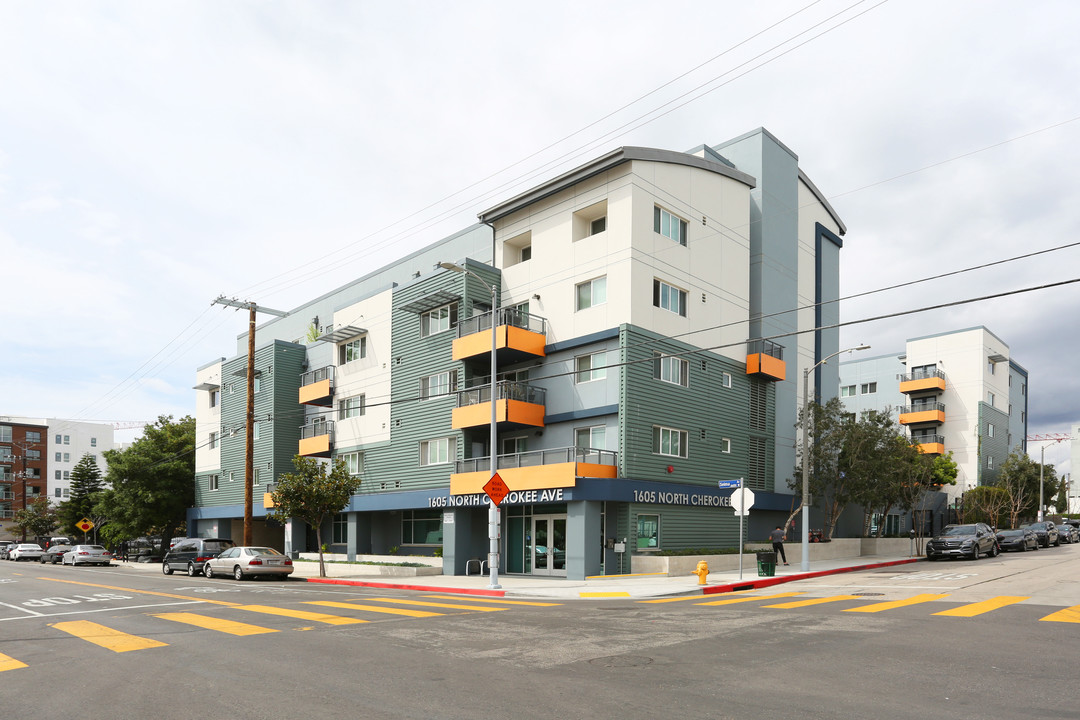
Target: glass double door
pixel 548 547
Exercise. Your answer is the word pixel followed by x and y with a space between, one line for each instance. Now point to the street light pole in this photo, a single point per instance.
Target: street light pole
pixel 805 565
pixel 493 509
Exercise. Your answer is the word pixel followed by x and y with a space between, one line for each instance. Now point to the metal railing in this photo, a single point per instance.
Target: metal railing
pixel 507 316
pixel 480 392
pixel 765 347
pixel 922 407
pixel 313 376
pixel 928 439
pixel 317 430
pixel 536 458
pixel 921 375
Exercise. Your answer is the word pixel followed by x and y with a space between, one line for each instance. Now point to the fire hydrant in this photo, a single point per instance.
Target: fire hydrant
pixel 702 571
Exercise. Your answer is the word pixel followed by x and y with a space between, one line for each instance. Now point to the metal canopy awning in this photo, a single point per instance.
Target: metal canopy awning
pixel 997 358
pixel 242 372
pixel 342 334
pixel 207 386
pixel 431 301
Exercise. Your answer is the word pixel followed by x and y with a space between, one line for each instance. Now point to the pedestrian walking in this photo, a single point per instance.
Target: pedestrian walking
pixel 777 537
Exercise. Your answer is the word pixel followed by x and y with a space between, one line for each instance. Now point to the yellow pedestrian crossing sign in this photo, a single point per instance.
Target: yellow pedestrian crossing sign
pixel 85 525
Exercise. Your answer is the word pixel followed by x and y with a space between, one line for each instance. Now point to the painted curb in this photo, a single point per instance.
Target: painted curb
pixel 404 586
pixel 770 581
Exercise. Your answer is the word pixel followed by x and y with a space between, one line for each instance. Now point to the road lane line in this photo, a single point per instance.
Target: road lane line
pixel 300 614
pixel 688 597
pixel 104 609
pixel 421 603
pixel 218 624
pixel 106 637
pixel 813 601
pixel 9 663
pixel 748 598
pixel 143 592
pixel 1069 615
pixel 497 601
pixel 893 604
pixel 21 609
pixel 985 606
pixel 373 608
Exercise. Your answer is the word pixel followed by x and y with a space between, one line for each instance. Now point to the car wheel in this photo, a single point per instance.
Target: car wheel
pixel 994 551
pixel 1057 543
pixel 166 568
pixel 207 570
pixel 975 552
pixel 191 571
pixel 238 573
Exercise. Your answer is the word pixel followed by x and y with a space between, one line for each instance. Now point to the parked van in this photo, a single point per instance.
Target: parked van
pixel 190 554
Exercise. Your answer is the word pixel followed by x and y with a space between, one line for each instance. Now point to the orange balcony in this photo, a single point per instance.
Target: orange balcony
pixel 517 405
pixel 518 336
pixel 317 440
pixel 922 413
pixel 317 387
pixel 921 381
pixel 765 359
pixel 929 444
pixel 535 470
pixel 268 500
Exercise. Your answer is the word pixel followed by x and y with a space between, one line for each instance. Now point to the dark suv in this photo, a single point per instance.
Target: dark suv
pixel 190 554
pixel 1047 532
pixel 970 540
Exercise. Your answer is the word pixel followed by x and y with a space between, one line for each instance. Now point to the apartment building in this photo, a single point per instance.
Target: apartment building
pixel 24 464
pixel 646 308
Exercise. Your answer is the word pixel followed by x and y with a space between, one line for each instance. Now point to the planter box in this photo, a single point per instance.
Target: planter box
pixel 341 567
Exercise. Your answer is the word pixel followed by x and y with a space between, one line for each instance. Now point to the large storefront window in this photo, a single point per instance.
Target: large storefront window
pixel 421 527
pixel 341 529
pixel 648 532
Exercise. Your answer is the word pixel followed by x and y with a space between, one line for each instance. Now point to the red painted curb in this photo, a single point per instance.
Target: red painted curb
pixel 400 586
pixel 770 581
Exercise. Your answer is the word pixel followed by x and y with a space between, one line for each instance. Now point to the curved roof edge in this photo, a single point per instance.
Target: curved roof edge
pixel 821 199
pixel 603 164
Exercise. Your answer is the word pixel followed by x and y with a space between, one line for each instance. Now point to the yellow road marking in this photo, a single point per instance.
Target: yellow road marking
pixel 300 614
pixel 9 663
pixel 1069 615
pixel 372 608
pixel 603 594
pixel 748 598
pixel 142 592
pixel 477 608
pixel 220 625
pixel 499 601
pixel 107 637
pixel 983 607
pixel 689 597
pixel 813 601
pixel 915 600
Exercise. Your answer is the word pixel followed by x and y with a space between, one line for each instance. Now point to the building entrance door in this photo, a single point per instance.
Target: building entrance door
pixel 549 545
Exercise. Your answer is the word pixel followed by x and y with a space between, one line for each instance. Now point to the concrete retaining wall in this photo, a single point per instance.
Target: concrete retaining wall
pixel 431 565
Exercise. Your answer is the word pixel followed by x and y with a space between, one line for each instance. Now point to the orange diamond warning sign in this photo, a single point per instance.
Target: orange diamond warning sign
pixel 85 525
pixel 496 489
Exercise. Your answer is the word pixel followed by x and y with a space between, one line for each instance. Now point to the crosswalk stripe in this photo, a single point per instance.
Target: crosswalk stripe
pixel 892 604
pixel 373 608
pixel 813 601
pixel 985 606
pixel 497 601
pixel 106 637
pixel 1069 615
pixel 748 598
pixel 9 663
pixel 219 624
pixel 300 614
pixel 477 608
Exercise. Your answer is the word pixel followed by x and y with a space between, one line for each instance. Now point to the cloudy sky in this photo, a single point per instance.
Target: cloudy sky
pixel 156 155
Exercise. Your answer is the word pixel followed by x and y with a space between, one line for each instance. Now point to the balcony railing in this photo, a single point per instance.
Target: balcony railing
pixel 921 375
pixel 922 407
pixel 317 430
pixel 535 458
pixel 480 392
pixel 313 376
pixel 928 439
pixel 766 347
pixel 507 316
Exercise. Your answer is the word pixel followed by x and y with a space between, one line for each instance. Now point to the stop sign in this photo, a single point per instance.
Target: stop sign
pixel 742 501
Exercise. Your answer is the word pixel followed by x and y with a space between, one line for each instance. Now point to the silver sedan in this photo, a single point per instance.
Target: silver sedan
pixel 246 561
pixel 87 555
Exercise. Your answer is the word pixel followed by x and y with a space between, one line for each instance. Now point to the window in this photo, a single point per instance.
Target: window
pixel 57 476
pixel 421 527
pixel 213 441
pixel 340 534
pixel 671 369
pixel 725 379
pixel 438 452
pixel 648 532
pixel 354 461
pixel 847 391
pixel 591 437
pixel 93 442
pixel 990 366
pixel 257 384
pixel 1010 410
pixel 255 476
pixel 67 438
pixel 5 433
pixel 255 431
pixel 67 457
pixel 668 225
pixel 512 445
pixel 868 388
pixel 57 457
pixel 1023 389
pixel 58 493
pixel 990 430
pixel 214 395
pixel 438 385
pixel 1023 417
pixel 990 399
pixel 598 226
pixel 669 297
pixel 59 439
pixel 67 475
pixel 989 462
pixel 33 454
pixel 211 482
pixel 32 436
pixel 526 253
pixel 669 441
pixel 590 367
pixel 592 292
pixel 589 221
pixel 352 350
pixel 232 476
pixel 438 320
pixel 351 407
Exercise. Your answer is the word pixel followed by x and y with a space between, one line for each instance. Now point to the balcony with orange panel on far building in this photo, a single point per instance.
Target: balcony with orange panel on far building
pixel 929 444
pixel 922 380
pixel 535 469
pixel 317 439
pixel 765 359
pixel 518 336
pixel 317 387
pixel 517 405
pixel 922 412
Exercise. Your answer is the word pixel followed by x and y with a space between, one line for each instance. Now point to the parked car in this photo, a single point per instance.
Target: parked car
pixel 87 555
pixel 5 545
pixel 191 553
pixel 1067 533
pixel 1021 539
pixel 1047 532
pixel 25 551
pixel 246 561
pixel 969 540
pixel 54 553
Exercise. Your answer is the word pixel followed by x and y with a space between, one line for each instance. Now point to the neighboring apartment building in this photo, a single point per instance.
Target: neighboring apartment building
pixel 648 342
pixel 24 464
pixel 956 392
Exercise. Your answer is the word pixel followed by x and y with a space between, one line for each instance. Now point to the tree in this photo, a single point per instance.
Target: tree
pixel 86 487
pixel 37 518
pixel 1019 476
pixel 987 504
pixel 152 482
pixel 311 494
pixel 825 484
pixel 872 461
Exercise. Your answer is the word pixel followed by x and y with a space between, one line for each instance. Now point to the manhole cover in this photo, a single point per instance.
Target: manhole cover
pixel 867 594
pixel 622 661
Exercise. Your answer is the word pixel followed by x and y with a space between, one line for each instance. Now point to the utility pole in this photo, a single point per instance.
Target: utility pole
pixel 1052 438
pixel 249 430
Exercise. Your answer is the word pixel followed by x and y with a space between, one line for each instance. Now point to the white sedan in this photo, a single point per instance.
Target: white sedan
pixel 245 561
pixel 25 551
pixel 87 555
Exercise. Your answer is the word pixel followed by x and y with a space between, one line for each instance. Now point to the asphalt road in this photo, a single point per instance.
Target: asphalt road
pixel 110 642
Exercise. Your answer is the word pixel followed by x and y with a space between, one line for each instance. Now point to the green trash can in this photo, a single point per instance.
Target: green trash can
pixel 766 564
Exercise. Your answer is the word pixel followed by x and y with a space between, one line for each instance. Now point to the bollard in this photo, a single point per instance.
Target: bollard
pixel 702 571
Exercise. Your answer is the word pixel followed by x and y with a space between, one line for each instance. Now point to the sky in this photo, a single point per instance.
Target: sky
pixel 154 156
